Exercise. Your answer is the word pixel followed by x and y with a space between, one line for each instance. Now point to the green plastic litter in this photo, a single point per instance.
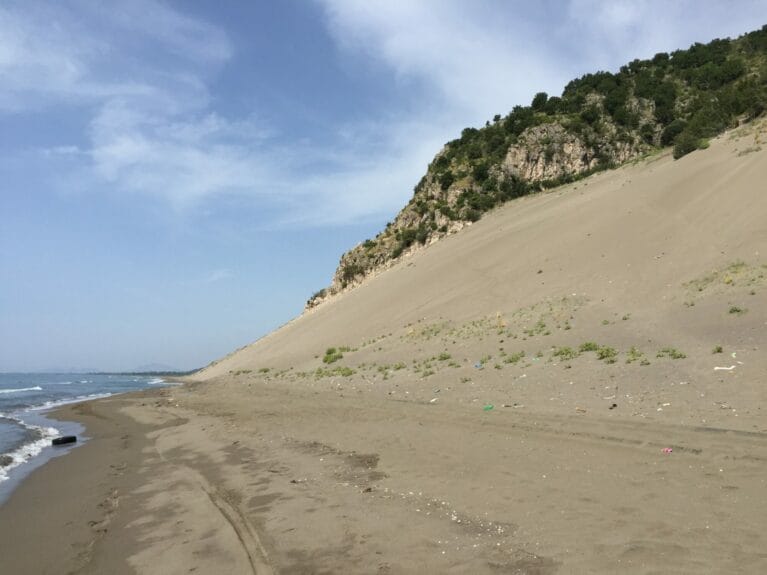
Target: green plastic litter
pixel 488 407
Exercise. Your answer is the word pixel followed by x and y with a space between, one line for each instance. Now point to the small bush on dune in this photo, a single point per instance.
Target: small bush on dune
pixel 332 355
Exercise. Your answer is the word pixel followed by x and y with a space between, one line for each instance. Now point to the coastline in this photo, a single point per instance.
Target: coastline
pixel 26 430
pixel 61 517
pixel 55 513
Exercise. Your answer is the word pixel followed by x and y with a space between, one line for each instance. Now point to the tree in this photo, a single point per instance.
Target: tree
pixel 539 101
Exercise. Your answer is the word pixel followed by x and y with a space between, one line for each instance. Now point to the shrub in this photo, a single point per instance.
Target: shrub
pixel 351 271
pixel 671 352
pixel 566 353
pixel 633 355
pixel 514 357
pixel 671 131
pixel 607 354
pixel 685 143
pixel 332 355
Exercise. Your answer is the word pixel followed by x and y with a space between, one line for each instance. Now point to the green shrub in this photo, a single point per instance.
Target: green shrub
pixel 671 352
pixel 332 355
pixel 514 357
pixel 565 353
pixel 589 346
pixel 633 355
pixel 607 354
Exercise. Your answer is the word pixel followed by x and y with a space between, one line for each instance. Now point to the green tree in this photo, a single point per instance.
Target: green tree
pixel 539 101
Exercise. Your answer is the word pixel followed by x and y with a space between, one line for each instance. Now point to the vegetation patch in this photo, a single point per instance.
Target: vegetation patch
pixel 736 274
pixel 514 357
pixel 607 354
pixel 633 355
pixel 589 346
pixel 338 370
pixel 671 353
pixel 332 355
pixel 565 353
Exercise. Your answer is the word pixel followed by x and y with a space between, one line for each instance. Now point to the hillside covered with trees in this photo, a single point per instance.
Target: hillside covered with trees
pixel 600 121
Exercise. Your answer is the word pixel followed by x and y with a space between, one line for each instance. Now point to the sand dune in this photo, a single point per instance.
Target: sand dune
pixel 625 241
pixel 537 394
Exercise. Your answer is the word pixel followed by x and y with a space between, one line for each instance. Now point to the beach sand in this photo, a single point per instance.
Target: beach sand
pixel 434 445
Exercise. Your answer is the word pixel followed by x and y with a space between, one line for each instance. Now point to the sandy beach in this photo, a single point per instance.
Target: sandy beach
pixel 574 384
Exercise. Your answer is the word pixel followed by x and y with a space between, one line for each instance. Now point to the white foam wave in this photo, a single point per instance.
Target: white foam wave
pixel 35 388
pixel 51 404
pixel 60 383
pixel 28 450
pixel 155 381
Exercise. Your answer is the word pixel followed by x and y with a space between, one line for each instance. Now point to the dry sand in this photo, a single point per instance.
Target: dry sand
pixel 434 445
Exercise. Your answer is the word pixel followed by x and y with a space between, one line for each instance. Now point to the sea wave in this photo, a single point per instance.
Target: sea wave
pixel 35 388
pixel 155 381
pixel 59 402
pixel 27 451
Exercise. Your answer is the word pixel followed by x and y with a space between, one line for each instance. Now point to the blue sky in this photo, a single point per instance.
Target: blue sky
pixel 177 178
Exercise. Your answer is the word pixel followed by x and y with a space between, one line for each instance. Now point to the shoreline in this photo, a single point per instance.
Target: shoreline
pixel 43 419
pixel 75 504
pixel 15 475
pixel 50 501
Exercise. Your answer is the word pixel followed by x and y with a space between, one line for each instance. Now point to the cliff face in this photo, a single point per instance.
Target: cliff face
pixel 600 121
pixel 550 152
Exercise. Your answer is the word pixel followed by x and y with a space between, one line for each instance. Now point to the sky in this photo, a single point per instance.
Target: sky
pixel 178 177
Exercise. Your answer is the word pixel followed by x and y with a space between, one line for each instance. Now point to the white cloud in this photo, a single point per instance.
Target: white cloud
pixel 478 58
pixel 184 159
pixel 618 31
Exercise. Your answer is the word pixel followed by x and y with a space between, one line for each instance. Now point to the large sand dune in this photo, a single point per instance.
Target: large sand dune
pixel 537 394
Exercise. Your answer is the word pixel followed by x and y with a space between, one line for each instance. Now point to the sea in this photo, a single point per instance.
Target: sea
pixel 26 432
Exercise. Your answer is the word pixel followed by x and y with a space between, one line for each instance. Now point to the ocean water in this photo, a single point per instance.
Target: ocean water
pixel 25 432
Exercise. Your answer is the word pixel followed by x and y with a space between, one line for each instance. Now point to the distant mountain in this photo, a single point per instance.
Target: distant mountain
pixel 600 121
pixel 67 370
pixel 155 367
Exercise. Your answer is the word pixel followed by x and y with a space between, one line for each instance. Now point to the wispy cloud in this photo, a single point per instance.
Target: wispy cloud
pixel 478 58
pixel 184 159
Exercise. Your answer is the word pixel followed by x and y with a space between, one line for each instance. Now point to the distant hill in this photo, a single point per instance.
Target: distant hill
pixel 155 367
pixel 600 121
